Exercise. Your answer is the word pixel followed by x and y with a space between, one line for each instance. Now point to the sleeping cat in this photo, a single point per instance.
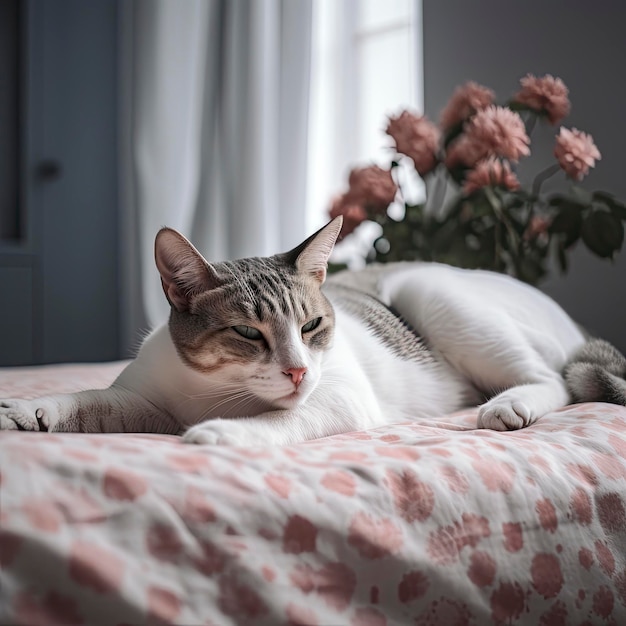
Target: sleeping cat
pixel 272 351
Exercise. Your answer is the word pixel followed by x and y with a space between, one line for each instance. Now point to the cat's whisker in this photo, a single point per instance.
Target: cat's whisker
pixel 244 403
pixel 236 396
pixel 211 408
pixel 216 393
pixel 245 398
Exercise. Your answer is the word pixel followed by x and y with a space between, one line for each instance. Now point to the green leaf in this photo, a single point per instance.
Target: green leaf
pixel 457 173
pixel 603 233
pixel 557 199
pixel 444 237
pixel 456 207
pixel 515 200
pixel 336 267
pixel 518 222
pixel 518 106
pixel 414 213
pixel 512 239
pixel 617 208
pixel 619 211
pixel 530 270
pixel 561 255
pixel 581 195
pixel 570 202
pixel 481 205
pixel 569 223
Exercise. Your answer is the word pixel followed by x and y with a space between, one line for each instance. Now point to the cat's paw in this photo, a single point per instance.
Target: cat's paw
pixel 504 413
pixel 27 415
pixel 219 432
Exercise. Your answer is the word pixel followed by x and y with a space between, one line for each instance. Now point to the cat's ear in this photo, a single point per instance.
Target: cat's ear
pixel 184 272
pixel 311 256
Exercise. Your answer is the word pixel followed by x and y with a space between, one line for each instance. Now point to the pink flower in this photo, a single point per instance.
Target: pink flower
pixel 538 227
pixel 490 172
pixel 465 101
pixel 545 95
pixel 575 152
pixel 463 151
pixel 417 138
pixel 499 131
pixel 372 187
pixel 353 214
pixel 494 131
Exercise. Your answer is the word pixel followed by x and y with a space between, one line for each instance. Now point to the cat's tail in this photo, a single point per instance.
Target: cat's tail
pixel 597 373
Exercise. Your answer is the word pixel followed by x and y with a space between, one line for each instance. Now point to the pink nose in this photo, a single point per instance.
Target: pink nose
pixel 296 373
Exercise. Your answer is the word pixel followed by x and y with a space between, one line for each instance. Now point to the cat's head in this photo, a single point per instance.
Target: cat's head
pixel 257 326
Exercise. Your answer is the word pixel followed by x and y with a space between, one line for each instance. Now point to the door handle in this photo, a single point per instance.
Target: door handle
pixel 49 170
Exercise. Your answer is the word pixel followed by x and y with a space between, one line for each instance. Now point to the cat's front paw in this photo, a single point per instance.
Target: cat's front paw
pixel 219 432
pixel 502 413
pixel 27 415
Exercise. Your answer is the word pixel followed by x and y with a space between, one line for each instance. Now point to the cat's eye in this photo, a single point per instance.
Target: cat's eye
pixel 312 325
pixel 248 332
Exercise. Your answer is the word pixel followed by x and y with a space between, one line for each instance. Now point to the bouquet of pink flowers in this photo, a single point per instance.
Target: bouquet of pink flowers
pixel 491 220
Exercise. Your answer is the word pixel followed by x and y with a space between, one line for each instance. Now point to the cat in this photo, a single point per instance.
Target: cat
pixel 273 351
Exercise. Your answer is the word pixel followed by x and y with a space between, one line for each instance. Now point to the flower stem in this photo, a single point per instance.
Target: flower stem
pixel 537 183
pixel 532 121
pixel 529 217
pixel 438 196
pixel 397 170
pixel 543 176
pixel 502 217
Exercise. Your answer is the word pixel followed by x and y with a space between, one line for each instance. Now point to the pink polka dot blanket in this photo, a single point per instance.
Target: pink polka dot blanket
pixel 419 523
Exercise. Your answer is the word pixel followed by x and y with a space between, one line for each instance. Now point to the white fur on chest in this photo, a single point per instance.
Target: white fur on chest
pixel 160 376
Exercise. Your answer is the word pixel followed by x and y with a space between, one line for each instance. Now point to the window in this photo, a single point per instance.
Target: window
pixel 366 65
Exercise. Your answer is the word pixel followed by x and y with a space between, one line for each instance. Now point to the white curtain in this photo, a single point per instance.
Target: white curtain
pixel 215 133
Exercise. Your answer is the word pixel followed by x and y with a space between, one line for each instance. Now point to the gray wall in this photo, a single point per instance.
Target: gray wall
pixel 495 43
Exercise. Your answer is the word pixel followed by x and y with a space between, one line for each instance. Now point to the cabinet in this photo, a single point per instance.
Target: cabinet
pixel 59 280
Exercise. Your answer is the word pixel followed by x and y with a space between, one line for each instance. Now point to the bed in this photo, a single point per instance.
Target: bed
pixel 419 523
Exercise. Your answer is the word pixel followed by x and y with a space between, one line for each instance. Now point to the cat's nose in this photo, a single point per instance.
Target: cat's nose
pixel 296 374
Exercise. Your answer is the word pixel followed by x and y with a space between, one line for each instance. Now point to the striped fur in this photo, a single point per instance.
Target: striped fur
pixel 380 320
pixel 597 373
pixel 264 293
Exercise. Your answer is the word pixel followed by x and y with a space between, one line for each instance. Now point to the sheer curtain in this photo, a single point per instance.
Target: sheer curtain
pixel 241 119
pixel 366 65
pixel 216 96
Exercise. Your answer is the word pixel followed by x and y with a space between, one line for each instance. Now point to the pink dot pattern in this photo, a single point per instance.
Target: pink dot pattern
pixel 425 523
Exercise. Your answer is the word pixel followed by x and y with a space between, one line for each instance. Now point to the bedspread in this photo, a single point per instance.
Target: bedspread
pixel 430 522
